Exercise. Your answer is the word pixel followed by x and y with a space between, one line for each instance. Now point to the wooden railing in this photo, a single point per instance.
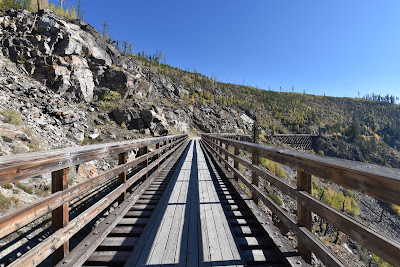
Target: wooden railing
pixel 379 182
pixel 22 166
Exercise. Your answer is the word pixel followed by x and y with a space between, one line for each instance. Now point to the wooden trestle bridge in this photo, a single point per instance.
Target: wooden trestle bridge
pixel 187 202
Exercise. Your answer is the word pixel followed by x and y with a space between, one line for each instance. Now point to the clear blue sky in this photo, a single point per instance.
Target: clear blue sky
pixel 335 47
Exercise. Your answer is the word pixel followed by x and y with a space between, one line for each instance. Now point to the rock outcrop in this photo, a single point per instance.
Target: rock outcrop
pixel 74 61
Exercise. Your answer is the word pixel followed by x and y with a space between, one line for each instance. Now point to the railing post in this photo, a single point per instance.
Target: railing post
pixel 142 151
pixel 158 154
pixel 122 159
pixel 60 216
pixel 236 163
pixel 220 150
pixel 226 155
pixel 254 177
pixel 303 214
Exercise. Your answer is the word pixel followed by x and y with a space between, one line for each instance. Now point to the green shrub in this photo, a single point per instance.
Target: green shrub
pixel 5 203
pixel 12 116
pixel 111 100
pixel 16 191
pixel 275 198
pixel 25 188
pixel 7 186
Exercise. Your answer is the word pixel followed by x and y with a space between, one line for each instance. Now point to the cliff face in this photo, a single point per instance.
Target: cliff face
pixel 68 69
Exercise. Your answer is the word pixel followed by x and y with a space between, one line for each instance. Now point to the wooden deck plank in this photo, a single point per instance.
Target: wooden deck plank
pixel 217 248
pixel 160 233
pixel 191 234
pixel 173 244
pixel 229 251
pixel 142 250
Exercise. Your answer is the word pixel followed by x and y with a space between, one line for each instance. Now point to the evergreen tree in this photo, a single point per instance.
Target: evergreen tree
pixel 52 7
pixel 72 13
pixel 60 11
pixel 354 131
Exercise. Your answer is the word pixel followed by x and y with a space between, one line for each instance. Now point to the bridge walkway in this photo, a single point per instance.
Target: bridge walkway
pixel 189 216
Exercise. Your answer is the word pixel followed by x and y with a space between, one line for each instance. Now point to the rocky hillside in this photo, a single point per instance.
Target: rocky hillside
pixel 74 64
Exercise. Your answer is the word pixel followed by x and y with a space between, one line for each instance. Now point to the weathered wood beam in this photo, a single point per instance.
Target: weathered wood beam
pixel 60 216
pixel 254 177
pixel 122 159
pixel 303 213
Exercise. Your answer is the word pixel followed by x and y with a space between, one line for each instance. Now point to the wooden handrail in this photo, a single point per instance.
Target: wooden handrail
pixel 383 246
pixel 377 181
pixel 21 166
pixel 15 168
pixel 21 217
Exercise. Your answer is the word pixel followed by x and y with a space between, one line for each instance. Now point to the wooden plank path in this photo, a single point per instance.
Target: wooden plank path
pixel 190 228
pixel 189 215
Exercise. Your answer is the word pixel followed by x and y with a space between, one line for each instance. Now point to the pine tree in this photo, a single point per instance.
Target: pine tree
pixel 72 13
pixel 32 6
pixel 44 4
pixel 66 14
pixel 52 7
pixel 60 11
pixel 355 132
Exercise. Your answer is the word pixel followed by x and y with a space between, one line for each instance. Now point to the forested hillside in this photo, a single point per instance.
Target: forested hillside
pixel 353 128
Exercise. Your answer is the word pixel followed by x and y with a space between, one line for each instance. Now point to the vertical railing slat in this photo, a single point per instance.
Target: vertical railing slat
pixel 60 216
pixel 236 163
pixel 254 176
pixel 122 159
pixel 303 214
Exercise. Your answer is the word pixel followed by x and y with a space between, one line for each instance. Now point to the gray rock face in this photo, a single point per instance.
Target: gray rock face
pixel 78 59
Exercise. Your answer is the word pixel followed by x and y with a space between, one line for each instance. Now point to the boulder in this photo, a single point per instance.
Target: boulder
pixel 146 116
pixel 158 129
pixel 116 80
pixel 76 133
pixel 130 117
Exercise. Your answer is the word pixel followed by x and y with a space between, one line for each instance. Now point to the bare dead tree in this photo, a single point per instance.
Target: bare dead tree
pixel 79 9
